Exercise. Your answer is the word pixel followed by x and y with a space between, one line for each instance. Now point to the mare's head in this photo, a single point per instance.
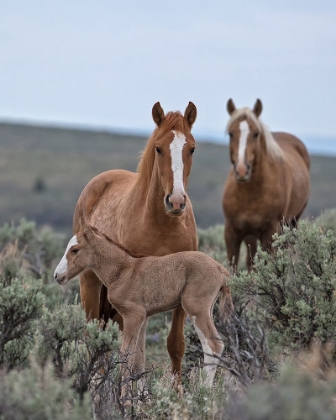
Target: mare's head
pixel 170 150
pixel 77 257
pixel 249 139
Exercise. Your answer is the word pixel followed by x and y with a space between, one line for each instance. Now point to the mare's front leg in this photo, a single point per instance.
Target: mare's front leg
pixel 90 287
pixel 251 245
pixel 266 237
pixel 175 341
pixel 232 241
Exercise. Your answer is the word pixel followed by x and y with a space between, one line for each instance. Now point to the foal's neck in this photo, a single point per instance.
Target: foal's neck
pixel 109 260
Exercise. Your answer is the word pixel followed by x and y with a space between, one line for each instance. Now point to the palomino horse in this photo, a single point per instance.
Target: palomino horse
pixel 148 212
pixel 268 182
pixel 142 286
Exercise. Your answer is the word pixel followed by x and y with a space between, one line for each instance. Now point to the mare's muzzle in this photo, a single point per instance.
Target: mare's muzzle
pixel 60 278
pixel 175 205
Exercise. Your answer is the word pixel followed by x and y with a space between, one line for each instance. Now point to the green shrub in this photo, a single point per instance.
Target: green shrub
pixel 327 220
pixel 211 242
pixel 21 303
pixel 297 395
pixel 35 394
pixel 294 288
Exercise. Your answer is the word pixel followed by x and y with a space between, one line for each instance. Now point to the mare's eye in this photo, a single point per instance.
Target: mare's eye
pixel 255 135
pixel 231 135
pixel 158 150
pixel 75 250
pixel 192 150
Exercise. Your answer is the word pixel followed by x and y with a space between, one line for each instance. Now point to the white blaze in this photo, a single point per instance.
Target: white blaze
pixel 244 132
pixel 63 264
pixel 176 147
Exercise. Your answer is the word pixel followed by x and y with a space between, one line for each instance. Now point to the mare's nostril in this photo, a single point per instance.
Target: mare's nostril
pixel 182 206
pixel 169 205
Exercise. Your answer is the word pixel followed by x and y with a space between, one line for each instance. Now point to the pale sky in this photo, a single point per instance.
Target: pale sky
pixel 105 63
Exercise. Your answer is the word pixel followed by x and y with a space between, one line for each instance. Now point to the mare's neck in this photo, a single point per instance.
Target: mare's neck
pixel 108 260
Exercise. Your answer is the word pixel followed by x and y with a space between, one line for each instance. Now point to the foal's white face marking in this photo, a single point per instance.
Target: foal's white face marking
pixel 244 132
pixel 63 264
pixel 176 147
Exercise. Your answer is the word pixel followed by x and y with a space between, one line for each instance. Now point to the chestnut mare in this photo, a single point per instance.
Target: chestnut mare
pixel 148 212
pixel 142 286
pixel 267 184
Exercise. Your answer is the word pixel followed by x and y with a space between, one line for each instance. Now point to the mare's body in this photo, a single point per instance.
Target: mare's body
pixel 148 212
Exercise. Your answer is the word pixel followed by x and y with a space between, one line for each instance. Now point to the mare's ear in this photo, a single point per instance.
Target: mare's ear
pixel 257 109
pixel 158 114
pixel 230 106
pixel 190 114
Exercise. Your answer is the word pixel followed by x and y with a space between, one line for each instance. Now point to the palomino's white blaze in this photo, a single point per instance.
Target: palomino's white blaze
pixel 210 362
pixel 63 264
pixel 244 132
pixel 176 147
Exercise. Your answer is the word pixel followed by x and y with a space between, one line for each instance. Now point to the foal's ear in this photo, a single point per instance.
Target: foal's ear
pixel 230 106
pixel 158 114
pixel 257 109
pixel 190 114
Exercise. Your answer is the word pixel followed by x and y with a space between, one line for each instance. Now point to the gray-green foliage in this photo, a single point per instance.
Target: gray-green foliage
pixel 296 395
pixel 21 303
pixel 294 288
pixel 38 247
pixel 327 220
pixel 35 394
pixel 211 241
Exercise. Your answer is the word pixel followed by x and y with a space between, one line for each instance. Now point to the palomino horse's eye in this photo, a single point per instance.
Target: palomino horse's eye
pixel 158 150
pixel 231 135
pixel 192 150
pixel 255 135
pixel 74 251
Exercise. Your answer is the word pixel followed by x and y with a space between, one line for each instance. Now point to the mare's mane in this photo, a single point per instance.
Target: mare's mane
pixel 272 147
pixel 97 232
pixel 172 121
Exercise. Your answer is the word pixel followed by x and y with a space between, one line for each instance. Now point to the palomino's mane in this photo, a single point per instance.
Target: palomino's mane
pixel 97 232
pixel 172 121
pixel 272 147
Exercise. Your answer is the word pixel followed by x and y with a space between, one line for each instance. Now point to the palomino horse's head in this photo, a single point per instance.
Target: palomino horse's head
pixel 245 131
pixel 76 258
pixel 174 146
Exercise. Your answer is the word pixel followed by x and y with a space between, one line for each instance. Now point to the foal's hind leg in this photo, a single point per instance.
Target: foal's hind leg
pixel 212 345
pixel 175 341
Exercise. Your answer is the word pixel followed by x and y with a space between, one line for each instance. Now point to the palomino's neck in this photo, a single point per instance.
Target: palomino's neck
pixel 108 260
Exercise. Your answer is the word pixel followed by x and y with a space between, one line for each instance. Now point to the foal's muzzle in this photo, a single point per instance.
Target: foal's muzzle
pixel 175 205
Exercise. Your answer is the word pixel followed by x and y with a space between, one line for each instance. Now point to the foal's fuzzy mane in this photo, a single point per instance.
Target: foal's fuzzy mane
pixel 97 232
pixel 172 121
pixel 272 147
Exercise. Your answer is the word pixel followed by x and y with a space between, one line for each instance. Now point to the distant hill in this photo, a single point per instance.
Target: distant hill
pixel 44 169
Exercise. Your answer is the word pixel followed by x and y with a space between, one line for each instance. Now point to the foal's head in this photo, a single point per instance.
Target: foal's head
pixel 245 131
pixel 77 257
pixel 171 148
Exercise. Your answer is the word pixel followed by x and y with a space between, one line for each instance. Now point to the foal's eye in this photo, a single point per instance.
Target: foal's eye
pixel 192 150
pixel 158 150
pixel 255 135
pixel 74 251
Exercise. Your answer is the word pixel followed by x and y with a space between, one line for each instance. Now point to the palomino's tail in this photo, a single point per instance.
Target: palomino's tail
pixel 225 302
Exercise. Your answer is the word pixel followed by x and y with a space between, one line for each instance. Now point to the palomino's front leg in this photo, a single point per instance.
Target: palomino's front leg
pixel 232 241
pixel 90 288
pixel 175 341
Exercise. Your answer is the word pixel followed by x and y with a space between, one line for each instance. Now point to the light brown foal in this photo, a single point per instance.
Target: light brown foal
pixel 142 286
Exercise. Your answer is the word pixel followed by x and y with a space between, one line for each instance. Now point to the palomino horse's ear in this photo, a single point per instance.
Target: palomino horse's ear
pixel 158 114
pixel 190 114
pixel 257 109
pixel 230 106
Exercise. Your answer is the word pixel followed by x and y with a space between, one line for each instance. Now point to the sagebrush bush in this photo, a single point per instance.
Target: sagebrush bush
pixel 327 220
pixel 294 288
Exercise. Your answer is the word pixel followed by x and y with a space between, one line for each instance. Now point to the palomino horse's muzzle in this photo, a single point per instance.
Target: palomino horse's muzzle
pixel 61 279
pixel 242 171
pixel 175 205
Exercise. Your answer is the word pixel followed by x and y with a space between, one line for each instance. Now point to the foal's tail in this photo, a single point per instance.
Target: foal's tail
pixel 225 302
